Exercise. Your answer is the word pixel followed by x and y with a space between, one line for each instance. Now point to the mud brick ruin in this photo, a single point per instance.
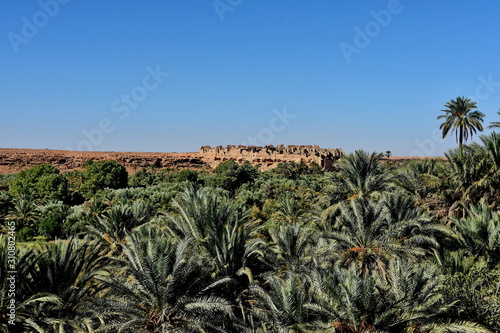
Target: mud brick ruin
pixel 268 157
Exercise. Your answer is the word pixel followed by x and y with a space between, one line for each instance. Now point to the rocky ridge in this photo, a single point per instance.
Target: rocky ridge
pixel 14 160
pixel 269 156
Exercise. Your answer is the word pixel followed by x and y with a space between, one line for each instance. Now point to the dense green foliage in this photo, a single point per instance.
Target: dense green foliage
pixel 103 174
pixel 42 182
pixel 230 176
pixel 370 247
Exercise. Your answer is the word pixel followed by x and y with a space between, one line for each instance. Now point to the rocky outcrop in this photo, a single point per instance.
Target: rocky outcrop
pixel 15 160
pixel 269 156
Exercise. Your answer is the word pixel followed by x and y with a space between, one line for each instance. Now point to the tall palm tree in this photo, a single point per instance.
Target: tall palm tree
pixel 462 118
pixel 162 290
pixel 495 124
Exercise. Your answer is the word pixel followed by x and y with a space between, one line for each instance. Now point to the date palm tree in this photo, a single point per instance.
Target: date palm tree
pixel 290 247
pixel 221 227
pixel 418 178
pixel 162 290
pixel 22 262
pixel 58 283
pixel 463 172
pixel 462 118
pixel 489 157
pixel 222 230
pixel 360 176
pixel 371 234
pixel 280 304
pixel 24 212
pixel 479 232
pixel 349 302
pixel 495 124
pixel 114 225
pixel 290 210
pixel 474 174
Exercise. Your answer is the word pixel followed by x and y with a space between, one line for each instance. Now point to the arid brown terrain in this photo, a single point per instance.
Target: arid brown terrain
pixel 15 160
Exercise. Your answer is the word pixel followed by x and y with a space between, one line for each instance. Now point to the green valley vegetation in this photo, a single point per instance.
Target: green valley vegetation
pixel 373 246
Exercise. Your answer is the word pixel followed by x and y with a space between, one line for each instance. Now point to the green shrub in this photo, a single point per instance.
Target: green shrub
pixel 50 226
pixel 103 174
pixel 477 293
pixel 25 234
pixel 43 181
pixel 230 176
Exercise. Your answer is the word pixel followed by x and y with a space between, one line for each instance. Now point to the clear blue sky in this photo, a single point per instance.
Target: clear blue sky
pixel 233 65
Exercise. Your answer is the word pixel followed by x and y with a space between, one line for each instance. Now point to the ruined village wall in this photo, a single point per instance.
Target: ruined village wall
pixel 15 160
pixel 270 156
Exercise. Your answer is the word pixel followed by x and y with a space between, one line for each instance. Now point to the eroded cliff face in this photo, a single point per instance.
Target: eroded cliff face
pixel 15 160
pixel 270 156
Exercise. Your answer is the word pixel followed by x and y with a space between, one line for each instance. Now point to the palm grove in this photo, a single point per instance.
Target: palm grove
pixel 374 246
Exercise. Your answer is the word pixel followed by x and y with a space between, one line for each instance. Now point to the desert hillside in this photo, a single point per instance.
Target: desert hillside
pixel 14 160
